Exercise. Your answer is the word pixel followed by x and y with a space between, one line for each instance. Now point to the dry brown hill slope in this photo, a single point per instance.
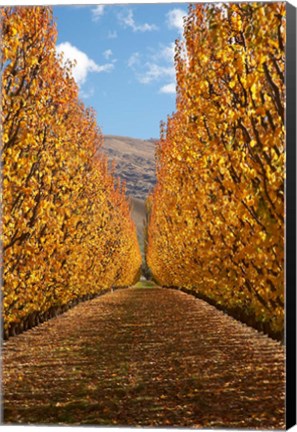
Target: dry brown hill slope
pixel 134 162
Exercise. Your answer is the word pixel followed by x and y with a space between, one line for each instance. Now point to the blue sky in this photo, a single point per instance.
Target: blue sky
pixel 125 66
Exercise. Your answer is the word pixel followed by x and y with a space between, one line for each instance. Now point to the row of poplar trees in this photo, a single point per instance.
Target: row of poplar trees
pixel 67 231
pixel 216 223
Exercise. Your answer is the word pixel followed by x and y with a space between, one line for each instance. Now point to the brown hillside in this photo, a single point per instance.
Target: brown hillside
pixel 134 162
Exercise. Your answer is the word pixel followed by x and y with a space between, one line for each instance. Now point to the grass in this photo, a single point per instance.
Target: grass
pixel 144 284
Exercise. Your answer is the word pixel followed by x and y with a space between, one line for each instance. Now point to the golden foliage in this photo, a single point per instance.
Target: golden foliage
pixel 217 219
pixel 67 229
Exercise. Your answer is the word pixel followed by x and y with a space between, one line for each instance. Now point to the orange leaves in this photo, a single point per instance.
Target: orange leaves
pixel 222 156
pixel 67 227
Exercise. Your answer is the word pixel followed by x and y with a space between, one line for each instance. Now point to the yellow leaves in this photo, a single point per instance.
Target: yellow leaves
pixel 232 83
pixel 250 201
pixel 236 22
pixel 262 235
pixel 67 228
pixel 204 58
pixel 254 90
pixel 33 61
pixel 227 115
pixel 13 31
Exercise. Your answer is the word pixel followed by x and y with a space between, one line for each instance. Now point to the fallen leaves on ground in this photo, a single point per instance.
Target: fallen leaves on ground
pixel 144 357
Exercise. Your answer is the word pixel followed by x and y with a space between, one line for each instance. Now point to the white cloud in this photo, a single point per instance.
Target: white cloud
pixel 175 19
pixel 127 20
pixel 83 65
pixel 155 72
pixel 155 65
pixel 134 60
pixel 107 54
pixel 168 52
pixel 168 88
pixel 112 34
pixel 97 12
pixel 165 53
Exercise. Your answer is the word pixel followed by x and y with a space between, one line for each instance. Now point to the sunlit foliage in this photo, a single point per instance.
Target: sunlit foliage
pixel 67 230
pixel 217 219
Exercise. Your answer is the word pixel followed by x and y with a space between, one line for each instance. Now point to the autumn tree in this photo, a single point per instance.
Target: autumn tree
pixel 217 220
pixel 67 230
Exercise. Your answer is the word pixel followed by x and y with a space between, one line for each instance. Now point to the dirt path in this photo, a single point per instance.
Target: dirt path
pixel 149 357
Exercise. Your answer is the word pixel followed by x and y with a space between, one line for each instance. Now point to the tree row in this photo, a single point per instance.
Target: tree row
pixel 216 224
pixel 67 230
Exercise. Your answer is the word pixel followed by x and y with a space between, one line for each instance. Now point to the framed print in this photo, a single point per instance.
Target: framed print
pixel 149 215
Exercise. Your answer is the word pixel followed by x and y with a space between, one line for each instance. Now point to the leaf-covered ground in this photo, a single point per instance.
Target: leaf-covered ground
pixel 147 357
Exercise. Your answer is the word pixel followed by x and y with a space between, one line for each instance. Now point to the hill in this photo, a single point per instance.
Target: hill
pixel 134 161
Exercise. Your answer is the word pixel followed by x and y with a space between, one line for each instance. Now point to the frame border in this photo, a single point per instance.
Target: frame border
pixel 290 217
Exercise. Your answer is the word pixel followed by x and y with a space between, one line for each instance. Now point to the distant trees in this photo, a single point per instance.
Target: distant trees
pixel 217 219
pixel 146 272
pixel 67 230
